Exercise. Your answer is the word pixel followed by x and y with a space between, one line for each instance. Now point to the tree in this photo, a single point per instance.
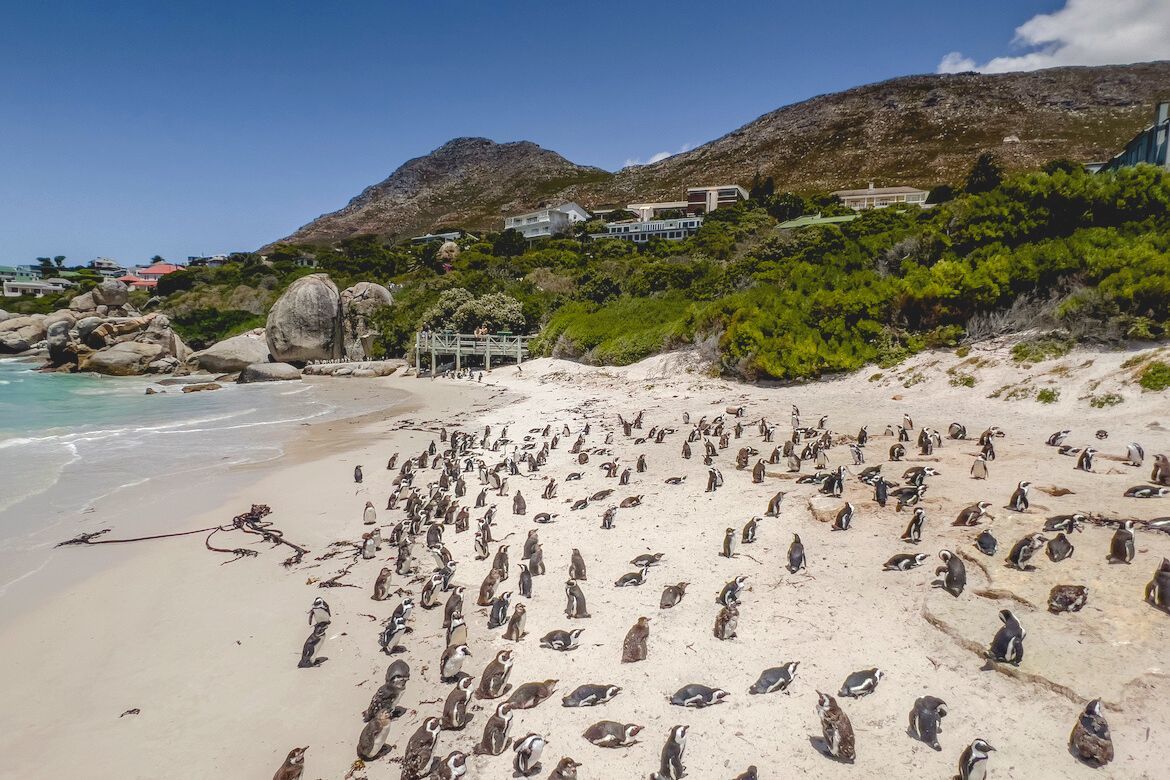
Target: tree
pixel 785 206
pixel 157 259
pixel 940 194
pixel 510 243
pixel 59 261
pixel 45 266
pixel 1062 165
pixel 985 175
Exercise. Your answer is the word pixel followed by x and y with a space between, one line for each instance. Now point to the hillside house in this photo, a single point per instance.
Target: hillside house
pixel 553 221
pixel 703 200
pixel 641 232
pixel 880 197
pixel 1151 146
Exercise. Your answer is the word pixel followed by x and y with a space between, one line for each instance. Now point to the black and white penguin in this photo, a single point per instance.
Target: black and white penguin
pixel 714 479
pixel 648 559
pixel 979 468
pixel 973 514
pixel 1057 439
pixel 1059 548
pixel 1121 548
pixel 844 518
pixel 1019 500
pixel 973 761
pixel 499 611
pixel 749 530
pixel 730 541
pixel 986 543
pixel 564 641
pixel 861 683
pixel 528 751
pixel 698 696
pixel 1023 550
pixel 1147 491
pixel 953 572
pixel 455 716
pixel 881 491
pixel 611 734
pixel 357 474
pixel 451 662
pixel 632 579
pixel 671 765
pixel 1066 523
pixel 392 634
pixel 319 612
pixel 590 695
pixel 1008 643
pixel 1157 592
pixel 796 560
pixel 575 603
pixel 1085 460
pixel 897 452
pixel 774 505
pixel 731 591
pixel 926 720
pixel 1135 455
pixel 957 431
pixel 913 533
pixel 310 653
pixel 777 678
pixel 905 561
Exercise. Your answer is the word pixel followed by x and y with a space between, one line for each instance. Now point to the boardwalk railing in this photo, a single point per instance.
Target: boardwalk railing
pixel 499 345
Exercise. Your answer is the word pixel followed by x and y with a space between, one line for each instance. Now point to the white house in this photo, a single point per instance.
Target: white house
pixel 15 289
pixel 880 197
pixel 552 221
pixel 107 267
pixel 641 232
pixel 648 211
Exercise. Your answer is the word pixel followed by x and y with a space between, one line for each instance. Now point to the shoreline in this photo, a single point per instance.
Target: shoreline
pixel 206 651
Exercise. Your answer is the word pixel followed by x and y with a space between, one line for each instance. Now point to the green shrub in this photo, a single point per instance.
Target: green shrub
pixel 1155 376
pixel 201 328
pixel 963 351
pixel 1043 348
pixel 1103 401
pixel 1048 395
pixel 959 379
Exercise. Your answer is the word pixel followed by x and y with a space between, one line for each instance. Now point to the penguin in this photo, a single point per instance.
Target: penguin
pixel 863 436
pixel 562 640
pixel 1157 592
pixel 372 740
pixel 528 751
pixel 1147 491
pixel 881 491
pixel 590 695
pixel 607 518
pixel 1121 549
pixel 500 561
pixel 481 549
pixel 1066 523
pixel 836 728
pixel 487 589
pixel 730 541
pixel 451 662
pixel 530 694
pixel 392 634
pixel 726 621
pixel 1059 548
pixel 1134 454
pixel 388 694
pixel 1085 460
pixel 913 533
pixel 979 468
pixel 575 606
pixel 566 770
pixel 1090 740
pixel 369 514
pixel 1067 598
pixel 953 572
pixel 1160 473
pixel 454 606
pixel 611 734
pixel 907 422
pixel 630 502
pixel 577 566
pixel 294 765
pixel 796 560
pixel 515 630
pixel 672 595
pixel 1057 439
pixel 671 765
pixel 453 767
pixel 758 472
pixel 714 480
pixel 416 759
pixel 495 738
pixel 536 562
pixel 777 678
pixel 986 543
pixel 430 592
pixel 310 653
pixel 844 518
pixel 319 612
pixel 1023 550
pixel 957 431
pixel 544 518
pixel 926 720
pixel 634 647
pixel 897 452
pixel 751 773
pixel 1019 500
pixel 357 474
pixel 698 696
pixel 973 761
pixel 731 591
pixel 634 578
pixel 905 561
pixel 525 584
pixel 861 683
pixel 499 612
pixel 648 559
pixel 530 544
pixel 1008 643
pixel 749 530
pixel 493 683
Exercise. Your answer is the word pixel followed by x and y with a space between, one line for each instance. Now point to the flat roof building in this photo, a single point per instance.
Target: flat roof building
pixel 553 221
pixel 15 289
pixel 429 237
pixel 641 232
pixel 880 197
pixel 648 211
pixel 703 200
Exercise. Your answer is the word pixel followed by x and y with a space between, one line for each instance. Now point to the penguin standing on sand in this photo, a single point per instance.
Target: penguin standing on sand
pixel 1158 590
pixel 1008 643
pixel 372 741
pixel 796 560
pixel 1121 549
pixel 973 761
pixel 319 612
pixel 954 573
pixel 316 641
pixel 528 752
pixel 979 468
pixel 730 541
pixel 1019 500
pixel 1085 460
pixel 926 720
pixel 844 518
pixel 671 765
pixel 575 604
pixel 1134 454
pixel 913 533
pixel 357 474
pixel 634 647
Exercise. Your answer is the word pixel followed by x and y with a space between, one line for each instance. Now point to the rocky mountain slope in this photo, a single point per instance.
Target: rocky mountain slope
pixel 919 130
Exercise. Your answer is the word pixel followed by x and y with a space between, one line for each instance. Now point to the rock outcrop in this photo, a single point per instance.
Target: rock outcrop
pixel 305 323
pixel 20 334
pixel 268 372
pixel 358 306
pixel 234 354
pixel 126 358
pixel 358 369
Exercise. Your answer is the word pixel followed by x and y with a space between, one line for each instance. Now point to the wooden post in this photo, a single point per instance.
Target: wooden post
pixel 487 353
pixel 519 353
pixel 458 347
pixel 417 355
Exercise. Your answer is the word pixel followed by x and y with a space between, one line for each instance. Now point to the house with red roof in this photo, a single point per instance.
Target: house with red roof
pixel 147 278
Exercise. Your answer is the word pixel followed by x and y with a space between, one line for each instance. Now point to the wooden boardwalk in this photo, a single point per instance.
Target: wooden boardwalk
pixel 502 346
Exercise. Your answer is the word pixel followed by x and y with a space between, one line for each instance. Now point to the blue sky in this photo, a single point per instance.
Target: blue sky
pixel 133 128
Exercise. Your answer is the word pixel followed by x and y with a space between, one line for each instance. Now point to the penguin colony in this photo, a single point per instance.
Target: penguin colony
pixel 443 507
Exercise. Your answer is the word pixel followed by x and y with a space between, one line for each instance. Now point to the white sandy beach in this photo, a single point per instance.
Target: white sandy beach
pixel 206 652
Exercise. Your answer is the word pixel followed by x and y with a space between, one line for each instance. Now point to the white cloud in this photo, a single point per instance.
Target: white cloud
pixel 657 157
pixel 1084 32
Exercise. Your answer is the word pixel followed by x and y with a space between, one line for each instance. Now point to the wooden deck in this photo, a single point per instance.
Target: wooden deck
pixel 501 346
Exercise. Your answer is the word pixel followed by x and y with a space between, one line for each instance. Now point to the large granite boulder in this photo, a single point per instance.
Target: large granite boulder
pixel 19 334
pixel 62 347
pixel 268 372
pixel 110 292
pixel 158 331
pixel 83 303
pixel 123 359
pixel 234 354
pixel 6 316
pixel 305 323
pixel 358 305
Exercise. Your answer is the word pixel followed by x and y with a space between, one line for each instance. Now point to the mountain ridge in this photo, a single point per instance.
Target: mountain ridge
pixel 920 130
